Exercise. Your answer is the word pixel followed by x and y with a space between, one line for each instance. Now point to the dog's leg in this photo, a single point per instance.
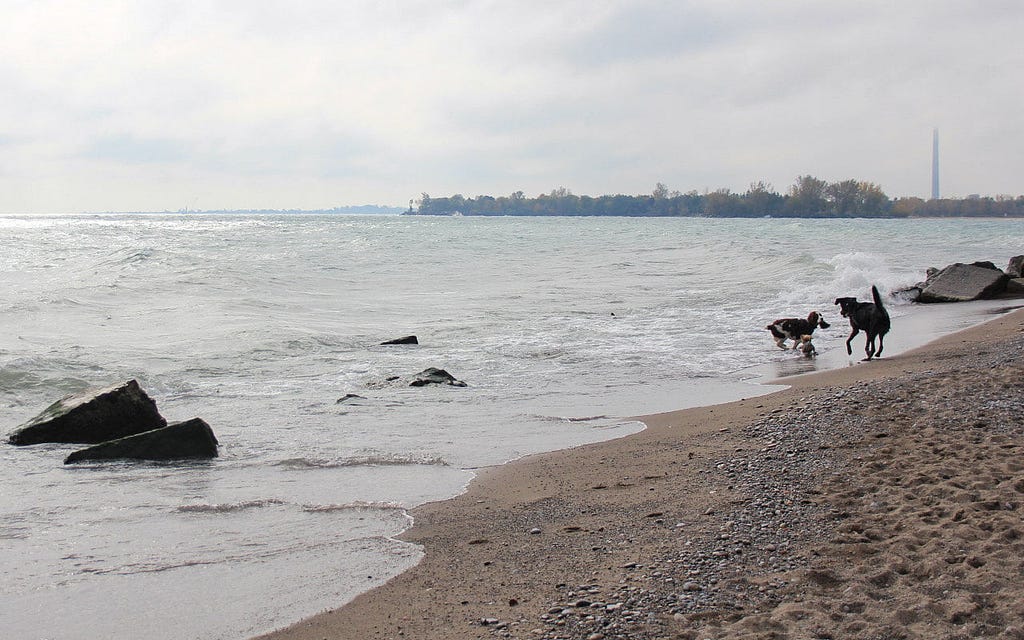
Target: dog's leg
pixel 780 343
pixel 881 344
pixel 869 346
pixel 849 349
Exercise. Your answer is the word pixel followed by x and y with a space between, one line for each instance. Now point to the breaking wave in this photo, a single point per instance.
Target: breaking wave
pixel 370 460
pixel 228 507
pixel 358 505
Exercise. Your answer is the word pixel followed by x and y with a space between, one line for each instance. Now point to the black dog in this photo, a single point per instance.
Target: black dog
pixel 870 318
pixel 792 328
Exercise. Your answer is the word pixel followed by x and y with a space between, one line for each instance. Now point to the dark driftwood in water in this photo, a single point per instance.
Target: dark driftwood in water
pixel 93 416
pixel 190 439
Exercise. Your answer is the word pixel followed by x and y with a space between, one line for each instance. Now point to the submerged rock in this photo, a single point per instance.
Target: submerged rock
pixel 181 440
pixel 93 416
pixel 433 375
pixel 348 397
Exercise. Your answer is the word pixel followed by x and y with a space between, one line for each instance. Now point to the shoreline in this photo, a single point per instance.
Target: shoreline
pixel 596 541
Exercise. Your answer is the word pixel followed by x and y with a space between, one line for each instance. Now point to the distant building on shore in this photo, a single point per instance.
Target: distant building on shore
pixel 935 164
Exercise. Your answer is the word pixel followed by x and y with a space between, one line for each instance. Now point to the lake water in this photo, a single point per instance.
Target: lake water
pixel 562 328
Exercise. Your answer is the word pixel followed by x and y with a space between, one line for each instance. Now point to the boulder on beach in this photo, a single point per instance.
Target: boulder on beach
pixel 433 375
pixel 1015 287
pixel 1016 267
pixel 181 440
pixel 402 340
pixel 93 416
pixel 961 282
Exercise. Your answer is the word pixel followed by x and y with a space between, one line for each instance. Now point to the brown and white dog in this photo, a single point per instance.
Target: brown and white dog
pixel 792 328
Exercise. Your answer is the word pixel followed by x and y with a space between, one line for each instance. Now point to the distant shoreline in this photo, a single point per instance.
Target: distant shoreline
pixel 399 211
pixel 723 217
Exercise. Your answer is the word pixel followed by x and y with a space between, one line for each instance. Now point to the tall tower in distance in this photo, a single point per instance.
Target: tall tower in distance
pixel 935 164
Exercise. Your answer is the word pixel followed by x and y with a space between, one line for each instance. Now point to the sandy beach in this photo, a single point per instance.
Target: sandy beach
pixel 878 500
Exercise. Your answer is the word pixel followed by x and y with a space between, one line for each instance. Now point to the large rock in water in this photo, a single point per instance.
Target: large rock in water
pixel 93 416
pixel 190 439
pixel 961 282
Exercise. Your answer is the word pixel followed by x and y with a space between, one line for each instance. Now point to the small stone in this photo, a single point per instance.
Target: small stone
pixel 535 530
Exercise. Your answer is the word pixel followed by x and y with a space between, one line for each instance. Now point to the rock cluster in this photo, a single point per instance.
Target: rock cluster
pixel 122 422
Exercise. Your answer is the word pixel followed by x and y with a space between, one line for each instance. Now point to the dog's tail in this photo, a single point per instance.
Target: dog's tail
pixel 877 297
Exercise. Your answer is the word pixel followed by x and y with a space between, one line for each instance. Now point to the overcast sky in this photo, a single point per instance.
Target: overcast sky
pixel 145 105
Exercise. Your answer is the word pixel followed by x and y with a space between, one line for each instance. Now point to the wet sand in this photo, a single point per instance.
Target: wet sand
pixel 880 500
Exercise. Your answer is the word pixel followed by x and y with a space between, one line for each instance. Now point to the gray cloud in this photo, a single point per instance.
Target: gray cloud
pixel 128 149
pixel 643 31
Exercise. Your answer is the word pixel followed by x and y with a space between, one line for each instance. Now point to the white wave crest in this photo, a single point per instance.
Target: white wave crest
pixel 358 505
pixel 228 507
pixel 368 460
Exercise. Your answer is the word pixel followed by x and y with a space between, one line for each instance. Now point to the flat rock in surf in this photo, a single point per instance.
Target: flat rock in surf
pixel 93 416
pixel 433 375
pixel 179 441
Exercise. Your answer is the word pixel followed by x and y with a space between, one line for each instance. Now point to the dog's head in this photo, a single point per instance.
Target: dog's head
pixel 846 306
pixel 815 320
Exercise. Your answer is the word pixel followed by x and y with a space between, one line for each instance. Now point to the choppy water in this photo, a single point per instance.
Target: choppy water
pixel 561 328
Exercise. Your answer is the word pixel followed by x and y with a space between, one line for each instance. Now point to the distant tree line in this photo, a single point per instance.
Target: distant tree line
pixel 809 197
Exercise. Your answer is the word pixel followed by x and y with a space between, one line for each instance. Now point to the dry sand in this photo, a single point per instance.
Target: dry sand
pixel 881 500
